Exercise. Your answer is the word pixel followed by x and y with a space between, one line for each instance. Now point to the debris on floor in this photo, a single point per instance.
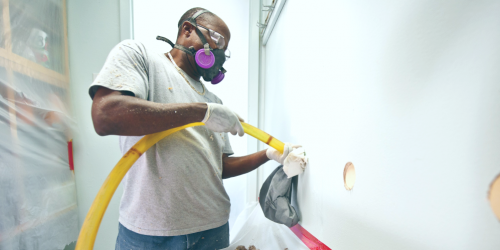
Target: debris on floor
pixel 252 247
pixel 253 228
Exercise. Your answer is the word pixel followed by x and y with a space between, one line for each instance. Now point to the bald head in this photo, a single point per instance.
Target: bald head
pixel 207 19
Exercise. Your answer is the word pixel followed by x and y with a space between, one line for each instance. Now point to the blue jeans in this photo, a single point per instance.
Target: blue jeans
pixel 216 238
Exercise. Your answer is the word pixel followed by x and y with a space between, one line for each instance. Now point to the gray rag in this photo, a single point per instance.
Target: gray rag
pixel 275 198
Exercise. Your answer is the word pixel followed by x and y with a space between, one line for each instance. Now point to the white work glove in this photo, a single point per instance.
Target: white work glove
pixel 220 118
pixel 295 163
pixel 274 154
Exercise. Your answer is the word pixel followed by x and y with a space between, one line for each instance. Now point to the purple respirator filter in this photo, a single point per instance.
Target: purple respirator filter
pixel 203 60
pixel 218 78
pixel 206 62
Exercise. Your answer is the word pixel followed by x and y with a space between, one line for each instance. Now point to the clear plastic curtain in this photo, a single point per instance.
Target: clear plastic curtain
pixel 38 207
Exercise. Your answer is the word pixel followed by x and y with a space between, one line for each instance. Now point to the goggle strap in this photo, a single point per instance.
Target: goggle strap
pixel 196 15
pixel 192 20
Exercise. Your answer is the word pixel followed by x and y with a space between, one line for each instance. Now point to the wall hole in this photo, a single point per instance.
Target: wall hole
pixel 349 176
pixel 494 196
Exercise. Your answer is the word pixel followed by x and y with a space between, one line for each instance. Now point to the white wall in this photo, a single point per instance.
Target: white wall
pixel 152 18
pixel 409 91
pixel 93 30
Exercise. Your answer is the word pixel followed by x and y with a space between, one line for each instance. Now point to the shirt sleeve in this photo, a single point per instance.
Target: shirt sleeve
pixel 227 145
pixel 125 69
pixel 227 149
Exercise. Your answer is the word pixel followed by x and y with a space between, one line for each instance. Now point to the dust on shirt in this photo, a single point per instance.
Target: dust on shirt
pixel 175 187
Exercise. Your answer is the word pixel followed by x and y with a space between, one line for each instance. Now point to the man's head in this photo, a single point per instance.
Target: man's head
pixel 197 29
pixel 187 35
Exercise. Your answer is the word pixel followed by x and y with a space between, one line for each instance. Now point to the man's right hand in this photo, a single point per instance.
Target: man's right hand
pixel 274 154
pixel 220 118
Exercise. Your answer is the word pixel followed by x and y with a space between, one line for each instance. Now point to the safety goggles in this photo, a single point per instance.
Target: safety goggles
pixel 216 37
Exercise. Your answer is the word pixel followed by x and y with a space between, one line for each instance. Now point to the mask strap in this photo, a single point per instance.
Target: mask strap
pixel 165 40
pixel 204 41
pixel 190 51
pixel 192 20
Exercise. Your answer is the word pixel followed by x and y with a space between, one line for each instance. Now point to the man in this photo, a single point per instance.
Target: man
pixel 173 196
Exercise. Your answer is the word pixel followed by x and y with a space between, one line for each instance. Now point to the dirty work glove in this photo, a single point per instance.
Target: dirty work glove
pixel 220 118
pixel 274 154
pixel 295 163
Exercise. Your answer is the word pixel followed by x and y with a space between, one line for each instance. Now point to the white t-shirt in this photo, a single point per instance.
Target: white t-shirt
pixel 175 188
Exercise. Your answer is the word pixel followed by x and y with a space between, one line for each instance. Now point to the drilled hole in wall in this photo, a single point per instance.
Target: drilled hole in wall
pixel 349 176
pixel 494 196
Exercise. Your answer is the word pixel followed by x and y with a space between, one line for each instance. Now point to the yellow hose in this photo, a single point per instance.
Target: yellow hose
pixel 88 233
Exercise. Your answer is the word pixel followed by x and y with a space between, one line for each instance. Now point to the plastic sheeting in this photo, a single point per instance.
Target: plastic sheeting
pixel 38 207
pixel 252 228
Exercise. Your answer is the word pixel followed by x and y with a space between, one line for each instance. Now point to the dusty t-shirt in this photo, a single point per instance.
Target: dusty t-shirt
pixel 175 188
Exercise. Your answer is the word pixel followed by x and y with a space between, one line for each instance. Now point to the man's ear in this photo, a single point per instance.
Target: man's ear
pixel 187 28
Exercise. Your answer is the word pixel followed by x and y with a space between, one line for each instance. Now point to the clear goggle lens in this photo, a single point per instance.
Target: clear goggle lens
pixel 218 39
pixel 228 54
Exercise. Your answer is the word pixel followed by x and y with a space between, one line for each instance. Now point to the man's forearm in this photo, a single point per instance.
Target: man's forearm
pixel 234 166
pixel 116 114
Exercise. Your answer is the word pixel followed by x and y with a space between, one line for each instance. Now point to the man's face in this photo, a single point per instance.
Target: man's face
pixel 211 29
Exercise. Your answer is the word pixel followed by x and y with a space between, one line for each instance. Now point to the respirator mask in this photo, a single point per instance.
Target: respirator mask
pixel 209 61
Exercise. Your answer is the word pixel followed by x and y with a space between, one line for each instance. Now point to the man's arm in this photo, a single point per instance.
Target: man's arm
pixel 116 113
pixel 234 166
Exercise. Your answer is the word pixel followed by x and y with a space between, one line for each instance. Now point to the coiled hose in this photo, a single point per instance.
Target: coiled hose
pixel 90 226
